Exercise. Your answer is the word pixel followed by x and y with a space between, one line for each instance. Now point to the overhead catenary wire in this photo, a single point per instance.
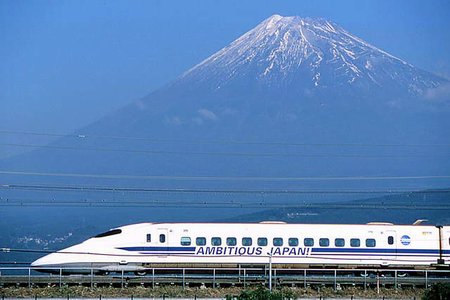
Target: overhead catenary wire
pixel 83 136
pixel 85 188
pixel 210 153
pixel 13 263
pixel 218 204
pixel 8 250
pixel 223 178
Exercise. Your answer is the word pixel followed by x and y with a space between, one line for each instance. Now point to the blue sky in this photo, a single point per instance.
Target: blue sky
pixel 65 64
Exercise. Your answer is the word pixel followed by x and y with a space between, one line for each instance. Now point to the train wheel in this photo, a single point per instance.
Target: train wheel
pixel 140 273
pixel 103 273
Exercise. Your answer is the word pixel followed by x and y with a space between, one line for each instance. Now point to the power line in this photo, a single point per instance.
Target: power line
pixel 205 141
pixel 83 188
pixel 254 154
pixel 216 204
pixel 13 263
pixel 224 178
pixel 8 250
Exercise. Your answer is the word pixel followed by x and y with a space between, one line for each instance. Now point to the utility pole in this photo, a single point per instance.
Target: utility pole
pixel 270 271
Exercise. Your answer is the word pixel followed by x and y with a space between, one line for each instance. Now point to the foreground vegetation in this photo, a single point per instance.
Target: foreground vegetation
pixel 258 293
pixel 439 291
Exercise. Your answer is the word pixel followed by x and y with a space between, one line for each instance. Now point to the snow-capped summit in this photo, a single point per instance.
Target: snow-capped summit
pixel 307 53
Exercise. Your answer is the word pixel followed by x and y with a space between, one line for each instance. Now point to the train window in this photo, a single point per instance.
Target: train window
pixel 149 238
pixel 355 242
pixel 109 233
pixel 390 240
pixel 308 242
pixel 216 241
pixel 278 241
pixel 231 241
pixel 246 241
pixel 324 242
pixel 185 241
pixel 293 242
pixel 262 241
pixel 162 238
pixel 339 242
pixel 200 241
pixel 370 243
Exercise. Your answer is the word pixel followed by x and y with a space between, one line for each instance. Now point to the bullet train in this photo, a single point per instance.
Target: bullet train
pixel 140 247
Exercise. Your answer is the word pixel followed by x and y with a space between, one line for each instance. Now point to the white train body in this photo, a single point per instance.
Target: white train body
pixel 140 246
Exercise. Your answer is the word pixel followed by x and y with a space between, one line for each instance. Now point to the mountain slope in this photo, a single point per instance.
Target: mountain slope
pixel 283 100
pixel 294 78
pixel 426 205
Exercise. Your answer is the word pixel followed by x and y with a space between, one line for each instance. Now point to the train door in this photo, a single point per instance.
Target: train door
pixel 446 245
pixel 391 244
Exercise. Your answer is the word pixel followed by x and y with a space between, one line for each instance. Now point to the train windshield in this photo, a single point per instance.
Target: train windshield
pixel 109 233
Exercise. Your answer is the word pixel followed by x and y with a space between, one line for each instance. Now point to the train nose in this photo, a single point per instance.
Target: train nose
pixel 40 262
pixel 48 261
pixel 51 263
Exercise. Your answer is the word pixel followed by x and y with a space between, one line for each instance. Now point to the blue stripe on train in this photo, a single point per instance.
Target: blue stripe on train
pixel 159 249
pixel 173 250
pixel 376 250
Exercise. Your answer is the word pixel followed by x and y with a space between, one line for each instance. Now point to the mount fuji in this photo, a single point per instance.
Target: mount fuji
pixel 284 99
pixel 307 56
pixel 291 75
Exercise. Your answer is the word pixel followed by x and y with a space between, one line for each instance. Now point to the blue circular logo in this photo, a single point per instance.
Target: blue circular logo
pixel 405 240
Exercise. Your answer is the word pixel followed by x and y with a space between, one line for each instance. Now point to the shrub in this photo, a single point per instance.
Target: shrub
pixel 262 293
pixel 439 291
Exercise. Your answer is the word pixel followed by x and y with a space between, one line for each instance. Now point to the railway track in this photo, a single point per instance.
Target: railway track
pixel 225 277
